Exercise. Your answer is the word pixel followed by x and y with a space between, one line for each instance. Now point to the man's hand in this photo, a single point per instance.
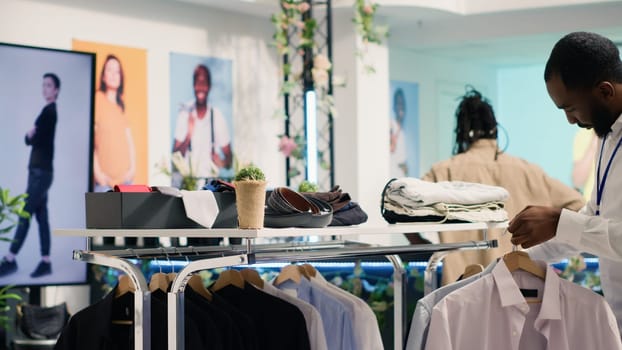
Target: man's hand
pixel 534 225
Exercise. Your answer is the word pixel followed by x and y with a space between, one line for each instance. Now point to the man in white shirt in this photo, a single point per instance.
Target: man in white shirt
pixel 202 129
pixel 584 78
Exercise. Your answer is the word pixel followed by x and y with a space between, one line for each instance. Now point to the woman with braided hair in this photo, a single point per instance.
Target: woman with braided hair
pixel 477 158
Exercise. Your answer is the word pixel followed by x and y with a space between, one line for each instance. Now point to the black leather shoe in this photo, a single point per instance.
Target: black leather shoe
pixel 44 268
pixel 7 267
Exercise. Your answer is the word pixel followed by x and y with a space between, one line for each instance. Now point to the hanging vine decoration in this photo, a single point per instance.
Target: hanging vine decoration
pixel 368 31
pixel 293 35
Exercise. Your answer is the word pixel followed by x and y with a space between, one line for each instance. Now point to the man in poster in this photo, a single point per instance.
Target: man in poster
pixel 201 132
pixel 40 174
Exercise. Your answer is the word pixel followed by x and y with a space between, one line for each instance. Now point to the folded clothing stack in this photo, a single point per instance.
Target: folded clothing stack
pixel 345 211
pixel 415 200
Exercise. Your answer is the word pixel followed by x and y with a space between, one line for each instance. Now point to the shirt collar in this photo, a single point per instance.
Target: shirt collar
pixel 617 126
pixel 484 143
pixel 510 294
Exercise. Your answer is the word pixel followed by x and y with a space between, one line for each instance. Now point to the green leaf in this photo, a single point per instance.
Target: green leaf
pixel 10 296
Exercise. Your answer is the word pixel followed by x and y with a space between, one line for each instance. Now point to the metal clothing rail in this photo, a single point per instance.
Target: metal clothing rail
pixel 288 253
pixel 200 258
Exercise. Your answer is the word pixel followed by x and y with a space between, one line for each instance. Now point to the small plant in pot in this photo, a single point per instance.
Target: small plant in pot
pixel 250 197
pixel 11 210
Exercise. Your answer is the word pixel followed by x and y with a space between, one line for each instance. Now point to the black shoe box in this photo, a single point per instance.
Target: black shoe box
pixel 150 210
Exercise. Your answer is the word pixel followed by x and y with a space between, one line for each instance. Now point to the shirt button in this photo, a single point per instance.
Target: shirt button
pixel 514 333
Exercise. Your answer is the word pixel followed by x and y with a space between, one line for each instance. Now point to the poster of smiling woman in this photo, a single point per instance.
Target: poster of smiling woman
pixel 201 117
pixel 120 131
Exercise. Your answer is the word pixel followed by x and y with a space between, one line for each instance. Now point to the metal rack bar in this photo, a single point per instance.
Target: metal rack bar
pixel 372 251
pixel 260 253
pixel 400 303
pixel 430 274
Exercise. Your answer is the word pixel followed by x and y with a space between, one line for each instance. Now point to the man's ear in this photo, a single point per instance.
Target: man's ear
pixel 606 90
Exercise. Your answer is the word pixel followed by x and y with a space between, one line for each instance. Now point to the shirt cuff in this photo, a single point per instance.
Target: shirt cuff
pixel 570 227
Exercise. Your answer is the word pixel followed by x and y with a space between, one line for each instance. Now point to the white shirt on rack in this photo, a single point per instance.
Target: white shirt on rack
pixel 364 322
pixel 491 313
pixel 599 235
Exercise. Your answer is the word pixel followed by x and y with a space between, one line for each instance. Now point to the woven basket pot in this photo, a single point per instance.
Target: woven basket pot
pixel 250 201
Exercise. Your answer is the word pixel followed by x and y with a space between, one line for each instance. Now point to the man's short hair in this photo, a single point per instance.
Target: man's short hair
pixel 582 60
pixel 54 78
pixel 202 68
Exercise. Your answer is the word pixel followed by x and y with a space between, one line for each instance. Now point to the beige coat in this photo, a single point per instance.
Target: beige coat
pixel 527 184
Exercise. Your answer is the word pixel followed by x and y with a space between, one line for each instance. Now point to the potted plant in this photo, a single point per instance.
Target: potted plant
pixel 11 210
pixel 250 193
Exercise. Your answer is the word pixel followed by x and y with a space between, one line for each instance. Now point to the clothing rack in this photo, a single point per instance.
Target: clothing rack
pixel 201 258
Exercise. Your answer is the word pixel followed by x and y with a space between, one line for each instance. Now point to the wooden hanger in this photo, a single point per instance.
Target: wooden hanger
pixel 520 260
pixel 289 272
pixel 251 276
pixel 229 277
pixel 196 283
pixel 126 285
pixel 304 272
pixel 159 281
pixel 311 271
pixel 171 276
pixel 472 270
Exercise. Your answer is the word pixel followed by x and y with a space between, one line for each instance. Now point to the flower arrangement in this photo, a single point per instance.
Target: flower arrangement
pixel 186 166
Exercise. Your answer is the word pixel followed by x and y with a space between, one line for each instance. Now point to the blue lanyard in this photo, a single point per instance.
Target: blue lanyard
pixel 600 187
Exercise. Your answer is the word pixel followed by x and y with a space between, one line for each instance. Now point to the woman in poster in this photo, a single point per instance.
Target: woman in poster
pixel 114 157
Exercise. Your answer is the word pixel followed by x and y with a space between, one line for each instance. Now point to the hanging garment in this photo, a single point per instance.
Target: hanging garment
pixel 279 325
pixel 364 322
pixel 313 319
pixel 337 325
pixel 420 323
pixel 569 317
pixel 245 323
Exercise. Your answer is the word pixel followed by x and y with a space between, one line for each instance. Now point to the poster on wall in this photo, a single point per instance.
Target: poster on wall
pixel 404 138
pixel 120 129
pixel 46 116
pixel 201 118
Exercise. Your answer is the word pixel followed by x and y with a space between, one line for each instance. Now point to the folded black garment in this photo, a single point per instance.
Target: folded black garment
pixel 351 214
pixel 392 217
pixel 288 208
pixel 218 186
pixel 335 197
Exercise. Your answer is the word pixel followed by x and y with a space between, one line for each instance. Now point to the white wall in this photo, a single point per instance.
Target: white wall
pixel 441 82
pixel 538 131
pixel 162 27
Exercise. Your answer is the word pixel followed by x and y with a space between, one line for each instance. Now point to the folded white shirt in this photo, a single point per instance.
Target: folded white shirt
pixel 413 192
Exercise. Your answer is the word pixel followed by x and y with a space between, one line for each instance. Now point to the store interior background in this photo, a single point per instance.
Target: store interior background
pixel 499 47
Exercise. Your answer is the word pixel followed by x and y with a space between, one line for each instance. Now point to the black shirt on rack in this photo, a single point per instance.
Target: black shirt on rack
pixel 228 330
pixel 244 322
pixel 92 327
pixel 279 324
